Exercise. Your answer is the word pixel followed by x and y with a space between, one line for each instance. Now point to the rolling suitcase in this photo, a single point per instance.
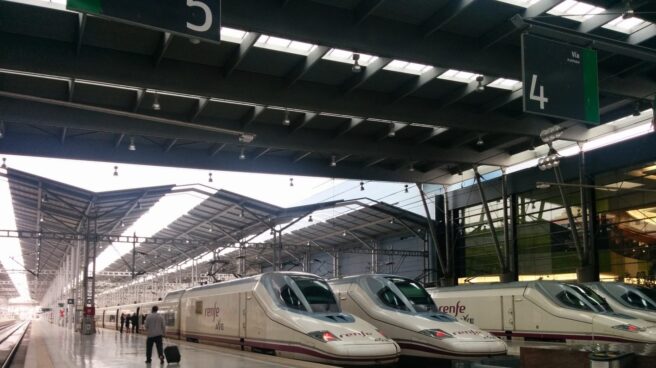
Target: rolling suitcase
pixel 172 354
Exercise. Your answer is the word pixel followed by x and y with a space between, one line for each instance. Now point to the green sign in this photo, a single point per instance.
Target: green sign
pixel 199 19
pixel 560 80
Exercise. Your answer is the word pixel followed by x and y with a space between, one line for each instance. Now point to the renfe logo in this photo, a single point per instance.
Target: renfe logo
pixel 212 312
pixel 454 310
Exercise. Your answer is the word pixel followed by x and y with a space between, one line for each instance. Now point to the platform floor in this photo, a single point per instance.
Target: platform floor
pixel 53 346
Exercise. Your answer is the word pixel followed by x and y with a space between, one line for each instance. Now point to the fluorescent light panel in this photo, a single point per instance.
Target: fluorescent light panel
pixel 628 26
pixel 407 67
pixel 344 56
pixel 284 45
pixel 522 3
pixel 232 35
pixel 505 83
pixel 576 10
pixel 458 76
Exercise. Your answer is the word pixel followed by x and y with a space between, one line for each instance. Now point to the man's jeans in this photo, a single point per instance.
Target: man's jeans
pixel 157 340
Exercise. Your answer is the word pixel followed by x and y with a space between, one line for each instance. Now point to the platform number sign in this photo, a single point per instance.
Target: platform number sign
pixel 560 80
pixel 198 19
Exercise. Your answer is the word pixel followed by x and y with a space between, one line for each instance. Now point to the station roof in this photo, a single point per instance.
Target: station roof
pixel 53 216
pixel 84 87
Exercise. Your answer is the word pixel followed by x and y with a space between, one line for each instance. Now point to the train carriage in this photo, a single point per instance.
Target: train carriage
pixel 626 299
pixel 405 312
pixel 542 310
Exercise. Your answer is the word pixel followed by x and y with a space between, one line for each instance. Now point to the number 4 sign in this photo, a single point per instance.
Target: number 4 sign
pixel 560 80
pixel 541 98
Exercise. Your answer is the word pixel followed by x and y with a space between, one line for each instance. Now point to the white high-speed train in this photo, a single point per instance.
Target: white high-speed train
pixel 403 310
pixel 542 310
pixel 626 299
pixel 289 314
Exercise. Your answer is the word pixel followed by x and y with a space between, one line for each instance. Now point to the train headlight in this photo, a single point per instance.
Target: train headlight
pixel 629 328
pixel 323 336
pixel 436 333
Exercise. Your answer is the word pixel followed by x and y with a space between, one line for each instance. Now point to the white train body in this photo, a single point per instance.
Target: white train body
pixel 289 314
pixel 403 310
pixel 542 310
pixel 626 299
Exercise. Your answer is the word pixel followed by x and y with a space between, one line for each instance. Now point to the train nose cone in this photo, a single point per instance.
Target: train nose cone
pixel 478 347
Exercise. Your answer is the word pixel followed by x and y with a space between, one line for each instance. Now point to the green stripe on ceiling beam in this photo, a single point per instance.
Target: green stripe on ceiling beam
pixel 86 6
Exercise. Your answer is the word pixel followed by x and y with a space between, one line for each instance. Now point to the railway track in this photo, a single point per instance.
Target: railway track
pixel 11 335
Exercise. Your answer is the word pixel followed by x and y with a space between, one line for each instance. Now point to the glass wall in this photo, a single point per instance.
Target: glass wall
pixel 627 222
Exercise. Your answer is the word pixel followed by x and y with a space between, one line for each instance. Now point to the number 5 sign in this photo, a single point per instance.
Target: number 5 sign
pixel 560 80
pixel 199 19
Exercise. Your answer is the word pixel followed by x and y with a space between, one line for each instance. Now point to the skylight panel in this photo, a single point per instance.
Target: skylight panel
pixel 11 256
pixel 232 35
pixel 576 10
pixel 522 3
pixel 344 56
pixel 505 83
pixel 407 67
pixel 628 26
pixel 458 76
pixel 284 45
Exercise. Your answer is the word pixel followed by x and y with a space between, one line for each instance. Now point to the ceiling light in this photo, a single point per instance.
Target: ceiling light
pixel 210 178
pixel 628 11
pixel 406 188
pixel 286 121
pixel 210 229
pixel 291 182
pixel 156 105
pixel 132 146
pixel 310 219
pixel 552 160
pixel 361 186
pixel 344 233
pixel 122 223
pixel 542 185
pixel 392 130
pixel 2 130
pixel 356 64
pixel 242 155
pixel 480 141
pixel 44 199
pixel 392 221
pixel 333 161
pixel 480 87
pixel 4 163
pixel 115 170
pixel 194 41
pixel 246 138
pixel 411 168
pixel 41 219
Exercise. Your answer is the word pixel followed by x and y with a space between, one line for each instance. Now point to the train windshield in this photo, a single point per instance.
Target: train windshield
pixel 420 300
pixel 575 297
pixel 400 294
pixel 303 293
pixel 629 296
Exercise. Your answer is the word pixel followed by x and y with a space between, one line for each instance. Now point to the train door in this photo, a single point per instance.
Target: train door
pixel 243 308
pixel 508 312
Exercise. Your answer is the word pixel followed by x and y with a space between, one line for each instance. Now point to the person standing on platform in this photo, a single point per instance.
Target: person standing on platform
pixel 156 330
pixel 122 321
pixel 128 318
pixel 135 323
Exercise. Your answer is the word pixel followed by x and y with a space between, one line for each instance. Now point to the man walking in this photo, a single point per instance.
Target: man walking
pixel 156 330
pixel 122 321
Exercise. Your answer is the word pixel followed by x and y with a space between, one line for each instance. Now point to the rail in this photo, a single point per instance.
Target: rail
pixel 12 352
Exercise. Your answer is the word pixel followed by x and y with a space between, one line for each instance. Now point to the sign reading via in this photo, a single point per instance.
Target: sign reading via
pixel 199 19
pixel 560 80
